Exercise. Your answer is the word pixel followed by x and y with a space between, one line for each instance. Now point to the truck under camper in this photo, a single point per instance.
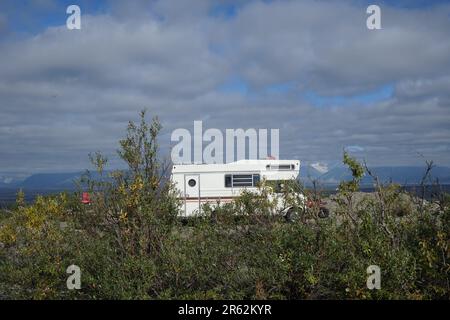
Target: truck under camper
pixel 221 183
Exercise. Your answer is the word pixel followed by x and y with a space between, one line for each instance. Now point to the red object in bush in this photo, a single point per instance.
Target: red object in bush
pixel 85 198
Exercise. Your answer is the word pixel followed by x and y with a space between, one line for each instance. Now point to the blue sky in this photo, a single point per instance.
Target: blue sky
pixel 24 21
pixel 309 68
pixel 34 16
pixel 380 94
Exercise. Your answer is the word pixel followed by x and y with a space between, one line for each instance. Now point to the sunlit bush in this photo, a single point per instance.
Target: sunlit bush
pixel 129 243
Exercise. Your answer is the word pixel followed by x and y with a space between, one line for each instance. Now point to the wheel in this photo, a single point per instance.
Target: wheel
pixel 324 212
pixel 291 215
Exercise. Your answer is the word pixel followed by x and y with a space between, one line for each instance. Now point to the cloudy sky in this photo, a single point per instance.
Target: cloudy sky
pixel 310 68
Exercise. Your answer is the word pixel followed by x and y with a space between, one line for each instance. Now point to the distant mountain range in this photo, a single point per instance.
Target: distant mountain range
pixel 12 178
pixel 402 175
pixel 332 177
pixel 45 181
pixel 51 181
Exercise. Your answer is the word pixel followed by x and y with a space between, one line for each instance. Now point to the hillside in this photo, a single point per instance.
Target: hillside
pixel 402 175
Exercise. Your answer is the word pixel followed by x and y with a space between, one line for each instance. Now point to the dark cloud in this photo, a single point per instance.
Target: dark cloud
pixel 66 93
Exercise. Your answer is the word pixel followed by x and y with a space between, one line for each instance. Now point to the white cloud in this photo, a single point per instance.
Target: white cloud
pixel 66 93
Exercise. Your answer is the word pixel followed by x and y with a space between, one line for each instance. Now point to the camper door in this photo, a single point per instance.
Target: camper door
pixel 192 193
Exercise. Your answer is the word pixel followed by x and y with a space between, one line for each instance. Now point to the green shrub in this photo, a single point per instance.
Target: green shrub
pixel 129 243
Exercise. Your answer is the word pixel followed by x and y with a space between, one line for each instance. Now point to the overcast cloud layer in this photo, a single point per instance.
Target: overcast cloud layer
pixel 310 68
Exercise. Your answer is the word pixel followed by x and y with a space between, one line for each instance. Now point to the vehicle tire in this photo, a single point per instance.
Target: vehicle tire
pixel 324 212
pixel 291 215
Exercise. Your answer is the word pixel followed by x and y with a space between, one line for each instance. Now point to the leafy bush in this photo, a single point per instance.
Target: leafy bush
pixel 129 243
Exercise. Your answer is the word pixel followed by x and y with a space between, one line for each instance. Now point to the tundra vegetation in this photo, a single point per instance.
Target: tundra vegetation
pixel 129 243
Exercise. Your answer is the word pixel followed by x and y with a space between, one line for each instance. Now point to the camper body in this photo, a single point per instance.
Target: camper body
pixel 221 183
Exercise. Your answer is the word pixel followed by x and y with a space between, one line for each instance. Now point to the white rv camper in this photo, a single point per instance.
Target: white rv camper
pixel 213 183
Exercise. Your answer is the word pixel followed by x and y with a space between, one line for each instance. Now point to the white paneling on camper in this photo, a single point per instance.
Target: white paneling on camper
pixel 213 183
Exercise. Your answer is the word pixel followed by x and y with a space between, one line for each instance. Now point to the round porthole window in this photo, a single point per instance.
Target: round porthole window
pixel 192 183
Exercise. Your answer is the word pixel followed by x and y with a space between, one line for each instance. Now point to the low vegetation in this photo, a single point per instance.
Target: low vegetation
pixel 129 243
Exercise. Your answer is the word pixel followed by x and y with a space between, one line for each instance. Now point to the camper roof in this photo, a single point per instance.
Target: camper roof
pixel 241 165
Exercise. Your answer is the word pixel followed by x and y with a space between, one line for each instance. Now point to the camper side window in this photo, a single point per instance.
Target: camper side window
pixel 241 180
pixel 280 167
pixel 256 179
pixel 228 181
